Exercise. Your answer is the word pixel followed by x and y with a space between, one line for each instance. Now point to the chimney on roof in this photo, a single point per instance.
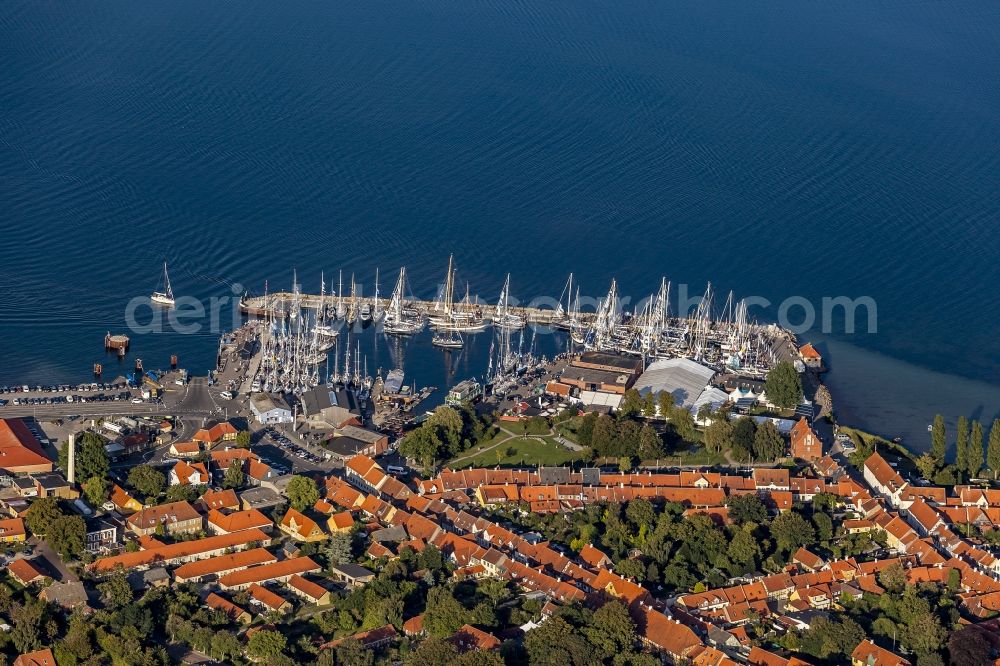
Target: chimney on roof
pixel 71 463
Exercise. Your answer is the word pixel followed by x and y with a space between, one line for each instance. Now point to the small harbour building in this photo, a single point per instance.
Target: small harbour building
pixel 328 409
pixel 270 409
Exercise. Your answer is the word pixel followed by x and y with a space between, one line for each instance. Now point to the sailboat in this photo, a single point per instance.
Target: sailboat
pixel 165 297
pixel 504 318
pixel 447 317
pixel 341 308
pixel 448 339
pixel 322 328
pixel 398 320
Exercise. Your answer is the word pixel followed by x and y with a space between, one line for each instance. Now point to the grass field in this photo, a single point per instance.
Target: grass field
pixel 517 452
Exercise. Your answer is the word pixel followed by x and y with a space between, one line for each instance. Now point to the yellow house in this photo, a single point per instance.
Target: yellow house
pixel 340 522
pixel 12 530
pixel 300 527
pixel 123 500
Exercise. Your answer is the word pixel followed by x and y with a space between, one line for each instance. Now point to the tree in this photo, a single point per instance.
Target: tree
pixel 115 591
pixel 993 449
pixel 179 493
pixel 640 512
pixel 974 454
pixel 68 536
pixel 91 457
pixel 444 614
pixel 926 464
pixel 650 444
pixel 783 386
pixel 746 509
pixel 605 435
pixel 665 403
pixel 893 578
pixel 555 643
pixel 768 444
pixel 243 439
pixel 149 482
pixel 824 525
pixel 352 653
pixel 265 645
pixel 924 634
pixel 962 445
pixel 585 431
pixel 302 492
pixel 234 477
pixel 744 437
pixel 649 405
pixel 938 441
pixel 77 642
pixel 743 547
pixel 683 422
pixel 421 445
pixel 480 658
pixel 968 647
pixel 611 630
pixel 719 435
pixel 631 405
pixel 225 646
pixel 28 620
pixel 95 489
pixel 791 530
pixel 338 550
pixel 433 651
pixel 42 515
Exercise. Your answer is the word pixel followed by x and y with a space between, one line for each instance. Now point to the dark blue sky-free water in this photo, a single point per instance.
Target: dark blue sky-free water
pixel 785 149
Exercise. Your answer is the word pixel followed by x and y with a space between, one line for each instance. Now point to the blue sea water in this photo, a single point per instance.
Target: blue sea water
pixel 777 149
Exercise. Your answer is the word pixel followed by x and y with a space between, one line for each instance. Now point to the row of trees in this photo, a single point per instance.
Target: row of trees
pixel 969 447
pixel 609 437
pixel 743 438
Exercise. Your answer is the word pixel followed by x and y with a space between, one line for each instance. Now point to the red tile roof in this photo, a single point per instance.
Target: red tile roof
pixel 172 512
pixel 667 634
pixel 265 596
pixel 299 523
pixel 20 450
pixel 221 499
pixel 239 520
pixel 25 572
pixel 223 564
pixel 36 658
pixel 213 600
pixel 342 520
pixel 266 572
pixel 179 550
pixel 470 638
pixel 11 527
pixel 307 587
pixel 868 653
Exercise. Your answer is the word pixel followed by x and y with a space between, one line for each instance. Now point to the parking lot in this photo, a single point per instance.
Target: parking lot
pixel 288 456
pixel 64 394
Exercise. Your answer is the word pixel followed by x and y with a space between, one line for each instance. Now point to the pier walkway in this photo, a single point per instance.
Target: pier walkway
pixel 279 304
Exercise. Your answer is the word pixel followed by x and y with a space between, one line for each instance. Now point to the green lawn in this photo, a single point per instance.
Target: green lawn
pixel 518 452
